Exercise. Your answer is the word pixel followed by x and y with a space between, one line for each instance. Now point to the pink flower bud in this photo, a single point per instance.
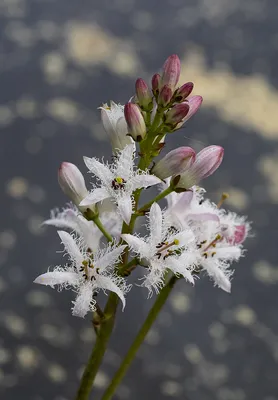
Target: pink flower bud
pixel 175 162
pixel 72 182
pixel 206 163
pixel 143 94
pixel 176 114
pixel 135 121
pixel 164 96
pixel 184 91
pixel 171 72
pixel 194 103
pixel 156 84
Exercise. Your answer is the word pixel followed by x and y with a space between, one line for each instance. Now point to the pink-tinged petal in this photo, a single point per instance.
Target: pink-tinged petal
pixel 195 103
pixel 144 181
pixel 82 303
pixel 100 170
pixel 98 194
pixel 175 162
pixel 106 283
pixel 203 217
pixel 155 222
pixel 124 204
pixel 57 278
pixel 110 258
pixel 136 244
pixel 182 202
pixel 71 247
pixel 240 234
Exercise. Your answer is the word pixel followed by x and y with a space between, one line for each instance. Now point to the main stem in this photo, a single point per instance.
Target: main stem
pixel 160 301
pixel 99 349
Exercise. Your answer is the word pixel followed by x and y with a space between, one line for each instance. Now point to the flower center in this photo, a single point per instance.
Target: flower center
pixel 211 246
pixel 164 249
pixel 118 183
pixel 88 267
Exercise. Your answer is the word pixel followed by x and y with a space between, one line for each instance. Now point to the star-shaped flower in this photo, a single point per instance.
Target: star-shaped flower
pixel 118 181
pixel 87 273
pixel 164 249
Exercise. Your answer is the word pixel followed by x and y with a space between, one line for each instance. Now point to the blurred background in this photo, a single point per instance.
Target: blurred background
pixel 59 60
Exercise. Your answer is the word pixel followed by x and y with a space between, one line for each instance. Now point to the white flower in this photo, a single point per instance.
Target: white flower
pixel 164 249
pixel 87 273
pixel 218 233
pixel 71 219
pixel 118 181
pixel 115 125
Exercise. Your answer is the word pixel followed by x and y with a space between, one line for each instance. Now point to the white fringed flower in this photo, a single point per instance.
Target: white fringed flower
pixel 218 233
pixel 87 273
pixel 118 181
pixel 163 250
pixel 71 219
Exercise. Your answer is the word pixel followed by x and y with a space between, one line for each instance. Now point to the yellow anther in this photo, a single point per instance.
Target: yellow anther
pixel 176 242
pixel 85 263
pixel 119 180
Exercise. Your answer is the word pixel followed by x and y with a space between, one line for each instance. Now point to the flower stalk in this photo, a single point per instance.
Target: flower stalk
pixel 140 337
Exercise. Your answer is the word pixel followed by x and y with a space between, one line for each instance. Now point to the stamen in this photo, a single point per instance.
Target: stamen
pixel 224 197
pixel 213 243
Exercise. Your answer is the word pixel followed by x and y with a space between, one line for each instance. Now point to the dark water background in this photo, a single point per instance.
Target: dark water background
pixel 59 60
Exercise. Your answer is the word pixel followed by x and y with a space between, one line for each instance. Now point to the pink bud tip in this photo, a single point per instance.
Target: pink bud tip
pixel 184 91
pixel 143 94
pixel 164 96
pixel 171 71
pixel 177 114
pixel 155 84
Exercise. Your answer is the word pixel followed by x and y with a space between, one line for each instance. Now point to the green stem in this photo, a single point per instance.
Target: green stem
pixel 160 196
pixel 98 223
pixel 99 349
pixel 161 299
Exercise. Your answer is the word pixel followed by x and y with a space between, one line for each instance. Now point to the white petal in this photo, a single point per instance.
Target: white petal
pixel 179 266
pixel 107 283
pixel 228 252
pixel 124 204
pixel 110 258
pixel 90 232
pixel 63 220
pixel 57 278
pixel 186 237
pixel 95 196
pixel 137 244
pixel 182 202
pixel 82 302
pixel 71 247
pixel 143 181
pixel 218 275
pixel 155 218
pixel 203 217
pixel 125 163
pixel 99 170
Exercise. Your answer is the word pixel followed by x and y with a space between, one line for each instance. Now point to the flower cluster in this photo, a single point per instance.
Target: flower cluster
pixel 191 235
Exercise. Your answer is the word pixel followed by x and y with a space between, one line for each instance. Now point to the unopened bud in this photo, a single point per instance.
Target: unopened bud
pixel 165 96
pixel 115 125
pixel 135 121
pixel 206 163
pixel 156 84
pixel 176 114
pixel 184 91
pixel 72 182
pixel 175 162
pixel 171 72
pixel 194 103
pixel 144 96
